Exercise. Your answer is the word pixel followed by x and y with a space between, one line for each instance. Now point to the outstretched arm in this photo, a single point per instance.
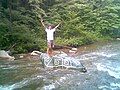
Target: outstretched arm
pixel 42 23
pixel 57 25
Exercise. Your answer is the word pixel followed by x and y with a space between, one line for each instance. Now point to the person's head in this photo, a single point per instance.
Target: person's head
pixel 50 26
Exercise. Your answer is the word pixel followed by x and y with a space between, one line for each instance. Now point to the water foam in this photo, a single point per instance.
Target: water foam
pixel 55 84
pixel 49 87
pixel 115 85
pixel 104 54
pixel 6 87
pixel 108 55
pixel 62 79
pixel 20 84
pixel 97 54
pixel 111 70
pixel 107 88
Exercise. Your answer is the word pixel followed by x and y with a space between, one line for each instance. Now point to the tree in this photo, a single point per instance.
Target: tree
pixel 83 22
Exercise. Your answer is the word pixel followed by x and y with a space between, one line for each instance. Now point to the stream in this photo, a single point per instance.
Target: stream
pixel 102 61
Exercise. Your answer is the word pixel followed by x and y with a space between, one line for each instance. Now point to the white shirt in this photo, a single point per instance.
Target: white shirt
pixel 50 33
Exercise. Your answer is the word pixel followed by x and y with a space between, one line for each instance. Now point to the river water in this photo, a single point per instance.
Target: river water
pixel 102 61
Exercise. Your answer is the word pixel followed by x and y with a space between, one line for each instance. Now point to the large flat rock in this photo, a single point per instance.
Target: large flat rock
pixel 62 60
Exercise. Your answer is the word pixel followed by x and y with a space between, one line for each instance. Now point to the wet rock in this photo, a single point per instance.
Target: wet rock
pixel 62 60
pixel 35 53
pixel 5 55
pixel 118 38
pixel 74 49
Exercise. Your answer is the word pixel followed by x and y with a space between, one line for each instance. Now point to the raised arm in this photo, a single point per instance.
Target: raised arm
pixel 42 23
pixel 57 25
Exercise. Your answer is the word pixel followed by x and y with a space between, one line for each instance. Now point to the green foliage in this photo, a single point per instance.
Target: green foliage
pixel 83 22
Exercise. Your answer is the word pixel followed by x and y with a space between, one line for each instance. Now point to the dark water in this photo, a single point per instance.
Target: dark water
pixel 102 61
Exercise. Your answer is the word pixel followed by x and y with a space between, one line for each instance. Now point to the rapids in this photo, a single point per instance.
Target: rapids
pixel 102 61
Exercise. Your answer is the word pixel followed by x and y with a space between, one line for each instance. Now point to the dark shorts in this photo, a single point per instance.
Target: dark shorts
pixel 50 44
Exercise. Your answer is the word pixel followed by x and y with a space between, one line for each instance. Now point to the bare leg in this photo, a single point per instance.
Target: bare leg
pixel 49 51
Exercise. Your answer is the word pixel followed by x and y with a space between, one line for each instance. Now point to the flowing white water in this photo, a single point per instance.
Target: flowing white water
pixel 103 66
pixel 109 63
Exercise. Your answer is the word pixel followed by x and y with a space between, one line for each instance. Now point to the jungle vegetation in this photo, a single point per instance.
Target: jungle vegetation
pixel 83 22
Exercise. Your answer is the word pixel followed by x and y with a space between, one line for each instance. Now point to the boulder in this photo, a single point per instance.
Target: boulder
pixel 4 54
pixel 35 53
pixel 74 49
pixel 118 38
pixel 62 60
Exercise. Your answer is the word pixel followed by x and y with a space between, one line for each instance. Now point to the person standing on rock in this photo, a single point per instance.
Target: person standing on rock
pixel 50 29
